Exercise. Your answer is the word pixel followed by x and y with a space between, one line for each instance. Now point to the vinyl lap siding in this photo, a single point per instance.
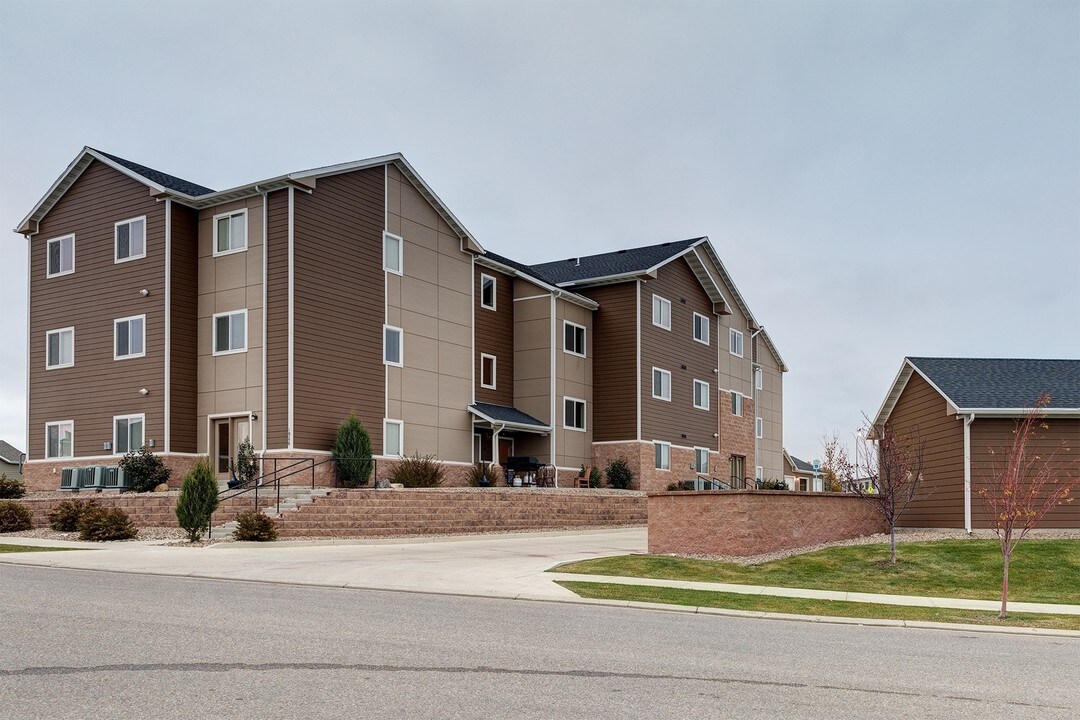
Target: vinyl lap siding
pixel 184 310
pixel 495 336
pixel 277 321
pixel 614 353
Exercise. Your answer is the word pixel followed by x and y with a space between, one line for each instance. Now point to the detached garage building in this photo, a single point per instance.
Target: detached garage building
pixel 961 408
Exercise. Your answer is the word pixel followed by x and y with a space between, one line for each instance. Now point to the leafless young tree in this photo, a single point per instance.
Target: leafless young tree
pixel 1021 486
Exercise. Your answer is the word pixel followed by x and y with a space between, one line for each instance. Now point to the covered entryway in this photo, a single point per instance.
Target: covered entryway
pixel 227 432
pixel 501 432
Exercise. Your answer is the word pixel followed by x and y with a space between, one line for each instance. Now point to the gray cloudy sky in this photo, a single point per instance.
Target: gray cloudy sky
pixel 881 178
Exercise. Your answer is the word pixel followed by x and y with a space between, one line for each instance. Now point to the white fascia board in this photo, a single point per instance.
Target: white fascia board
pixel 558 290
pixel 1015 412
pixel 907 369
pixel 538 429
pixel 66 179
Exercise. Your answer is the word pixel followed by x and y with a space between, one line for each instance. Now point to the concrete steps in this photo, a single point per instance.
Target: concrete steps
pixel 292 498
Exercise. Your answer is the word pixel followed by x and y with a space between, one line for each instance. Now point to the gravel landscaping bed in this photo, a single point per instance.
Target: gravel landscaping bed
pixel 159 533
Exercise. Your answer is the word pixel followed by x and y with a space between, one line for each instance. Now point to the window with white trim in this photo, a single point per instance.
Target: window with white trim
pixel 230 332
pixel 129 337
pixel 701 395
pixel 661 312
pixel 487 370
pixel 128 433
pixel 759 427
pixel 701 460
pixel 663 455
pixel 60 348
pixel 393 253
pixel 392 342
pixel 59 439
pixel 393 438
pixel 487 292
pixel 573 338
pixel 735 342
pixel 60 256
pixel 130 236
pixel 661 384
pixel 230 232
pixel 573 413
pixel 757 378
pixel 759 473
pixel 701 328
pixel 736 403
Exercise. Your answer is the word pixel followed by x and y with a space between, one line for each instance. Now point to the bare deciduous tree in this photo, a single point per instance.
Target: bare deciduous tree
pixel 1022 486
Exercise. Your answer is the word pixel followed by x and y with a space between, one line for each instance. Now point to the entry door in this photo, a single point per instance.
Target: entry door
pixel 228 434
pixel 506 449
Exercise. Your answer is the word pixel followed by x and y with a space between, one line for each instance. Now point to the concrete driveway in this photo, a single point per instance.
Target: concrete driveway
pixel 508 566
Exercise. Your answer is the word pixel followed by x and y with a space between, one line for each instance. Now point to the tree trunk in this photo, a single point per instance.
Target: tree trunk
pixel 892 544
pixel 1005 588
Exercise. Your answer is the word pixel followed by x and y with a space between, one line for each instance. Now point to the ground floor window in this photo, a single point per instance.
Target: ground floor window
pixel 59 439
pixel 701 460
pixel 663 455
pixel 128 433
pixel 392 438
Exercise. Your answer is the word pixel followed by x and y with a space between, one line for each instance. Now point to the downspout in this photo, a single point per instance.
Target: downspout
pixel 265 256
pixel 968 419
pixel 291 321
pixel 29 255
pixel 554 295
pixel 168 326
pixel 757 409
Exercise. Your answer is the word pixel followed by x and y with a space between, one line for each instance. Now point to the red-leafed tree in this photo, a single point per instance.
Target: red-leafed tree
pixel 1022 485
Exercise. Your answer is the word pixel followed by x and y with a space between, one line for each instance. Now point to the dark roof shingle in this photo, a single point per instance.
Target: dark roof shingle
pixel 9 454
pixel 613 263
pixel 505 413
pixel 973 383
pixel 163 179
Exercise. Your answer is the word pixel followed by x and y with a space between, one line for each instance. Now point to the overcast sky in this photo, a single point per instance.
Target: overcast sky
pixel 881 178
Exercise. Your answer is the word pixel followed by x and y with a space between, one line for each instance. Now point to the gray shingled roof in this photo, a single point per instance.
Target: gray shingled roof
pixel 520 267
pixel 163 179
pixel 507 414
pixel 613 263
pixel 973 383
pixel 801 465
pixel 9 454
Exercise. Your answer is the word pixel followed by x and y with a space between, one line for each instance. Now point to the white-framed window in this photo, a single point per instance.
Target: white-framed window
pixel 230 232
pixel 60 256
pixel 701 328
pixel 573 413
pixel 759 427
pixel 230 332
pixel 661 384
pixel 129 337
pixel 487 292
pixel 735 342
pixel 759 473
pixel 393 438
pixel 393 253
pixel 757 378
pixel 60 439
pixel 130 236
pixel 128 433
pixel 663 455
pixel 701 395
pixel 487 370
pixel 60 348
pixel 736 403
pixel 392 345
pixel 701 460
pixel 573 338
pixel 661 312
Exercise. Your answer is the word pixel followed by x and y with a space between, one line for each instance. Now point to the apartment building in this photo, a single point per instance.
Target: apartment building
pixel 166 314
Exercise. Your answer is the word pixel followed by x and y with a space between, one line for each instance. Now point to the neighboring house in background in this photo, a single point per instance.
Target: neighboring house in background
pixel 964 407
pixel 11 461
pixel 164 313
pixel 799 475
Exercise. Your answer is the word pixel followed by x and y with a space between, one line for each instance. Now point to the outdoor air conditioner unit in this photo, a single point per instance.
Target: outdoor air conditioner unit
pixel 112 478
pixel 87 477
pixel 69 479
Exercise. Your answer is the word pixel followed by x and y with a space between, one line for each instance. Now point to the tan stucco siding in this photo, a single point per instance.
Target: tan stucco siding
pixel 574 379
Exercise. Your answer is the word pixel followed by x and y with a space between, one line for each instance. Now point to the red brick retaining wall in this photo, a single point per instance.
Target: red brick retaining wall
pixel 741 523
pixel 144 509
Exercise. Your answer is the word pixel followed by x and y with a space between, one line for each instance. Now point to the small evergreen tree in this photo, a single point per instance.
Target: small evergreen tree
pixel 352 452
pixel 619 474
pixel 144 470
pixel 247 462
pixel 198 499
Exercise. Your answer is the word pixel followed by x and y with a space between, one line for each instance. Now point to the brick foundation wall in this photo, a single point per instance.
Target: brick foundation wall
pixel 144 509
pixel 736 437
pixel 44 476
pixel 641 457
pixel 742 523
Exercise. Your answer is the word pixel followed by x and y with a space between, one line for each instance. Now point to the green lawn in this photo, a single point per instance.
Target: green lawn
pixel 30 548
pixel 803 606
pixel 1040 571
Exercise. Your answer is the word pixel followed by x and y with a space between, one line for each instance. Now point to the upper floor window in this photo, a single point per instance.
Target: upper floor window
pixel 230 332
pixel 129 337
pixel 661 384
pixel 130 239
pixel 701 460
pixel 392 341
pixel 128 433
pixel 393 438
pixel 61 256
pixel 663 455
pixel 735 342
pixel 759 427
pixel 736 403
pixel 230 232
pixel 757 378
pixel 487 292
pixel 60 348
pixel 393 249
pixel 487 370
pixel 573 414
pixel 573 338
pixel 59 439
pixel 701 328
pixel 701 395
pixel 661 312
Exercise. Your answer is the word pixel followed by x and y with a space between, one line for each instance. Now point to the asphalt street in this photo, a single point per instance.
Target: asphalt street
pixel 78 644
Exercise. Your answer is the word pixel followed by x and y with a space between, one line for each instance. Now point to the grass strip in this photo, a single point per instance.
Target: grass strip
pixel 1045 571
pixel 4 548
pixel 807 606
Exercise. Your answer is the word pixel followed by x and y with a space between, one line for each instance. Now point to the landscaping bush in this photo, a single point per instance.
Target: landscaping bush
pixel 595 478
pixel 11 488
pixel 98 523
pixel 144 470
pixel 619 474
pixel 681 485
pixel 198 499
pixel 772 484
pixel 14 517
pixel 419 471
pixel 255 526
pixel 247 463
pixel 65 516
pixel 485 471
pixel 352 452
